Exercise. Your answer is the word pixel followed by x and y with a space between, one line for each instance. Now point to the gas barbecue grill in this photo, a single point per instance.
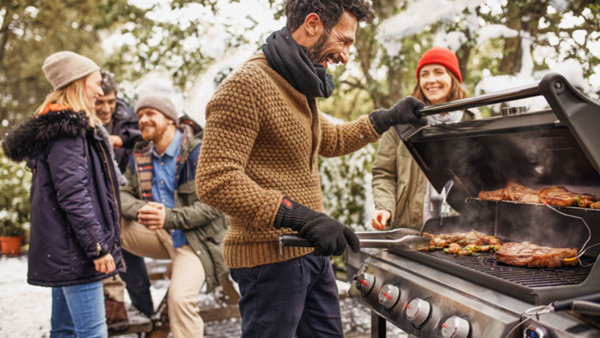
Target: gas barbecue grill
pixel 433 294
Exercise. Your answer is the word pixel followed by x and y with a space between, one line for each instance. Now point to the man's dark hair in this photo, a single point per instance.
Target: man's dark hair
pixel 108 82
pixel 330 11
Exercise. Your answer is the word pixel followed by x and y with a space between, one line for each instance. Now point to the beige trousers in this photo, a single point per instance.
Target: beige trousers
pixel 114 288
pixel 187 275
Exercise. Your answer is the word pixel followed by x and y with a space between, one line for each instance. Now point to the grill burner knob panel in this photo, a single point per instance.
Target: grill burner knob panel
pixel 389 295
pixel 455 327
pixel 417 311
pixel 364 283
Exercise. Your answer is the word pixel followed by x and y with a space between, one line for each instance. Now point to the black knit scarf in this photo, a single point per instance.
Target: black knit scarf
pixel 289 59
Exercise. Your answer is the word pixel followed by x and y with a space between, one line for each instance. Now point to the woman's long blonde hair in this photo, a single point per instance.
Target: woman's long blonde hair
pixel 456 90
pixel 74 97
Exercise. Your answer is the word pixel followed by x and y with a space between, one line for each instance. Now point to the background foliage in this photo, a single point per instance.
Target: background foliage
pixel 14 197
pixel 187 39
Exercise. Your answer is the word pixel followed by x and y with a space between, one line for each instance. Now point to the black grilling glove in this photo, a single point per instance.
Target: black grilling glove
pixel 405 111
pixel 329 236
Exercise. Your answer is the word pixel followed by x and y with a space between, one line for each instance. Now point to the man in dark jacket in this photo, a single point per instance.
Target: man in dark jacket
pixel 119 120
pixel 163 217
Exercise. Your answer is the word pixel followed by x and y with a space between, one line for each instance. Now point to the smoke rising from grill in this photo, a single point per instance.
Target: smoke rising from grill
pixel 536 157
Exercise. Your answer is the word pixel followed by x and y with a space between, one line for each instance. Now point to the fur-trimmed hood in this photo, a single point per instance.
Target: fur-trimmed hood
pixel 30 138
pixel 26 141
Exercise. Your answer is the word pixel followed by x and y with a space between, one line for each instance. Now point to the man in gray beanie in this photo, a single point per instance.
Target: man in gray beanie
pixel 162 217
pixel 160 103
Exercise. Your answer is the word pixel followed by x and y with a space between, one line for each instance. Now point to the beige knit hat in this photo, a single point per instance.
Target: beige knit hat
pixel 62 68
pixel 160 102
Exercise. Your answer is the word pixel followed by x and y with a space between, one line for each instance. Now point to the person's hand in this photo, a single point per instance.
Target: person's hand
pixel 105 264
pixel 329 236
pixel 152 215
pixel 380 218
pixel 405 111
pixel 115 141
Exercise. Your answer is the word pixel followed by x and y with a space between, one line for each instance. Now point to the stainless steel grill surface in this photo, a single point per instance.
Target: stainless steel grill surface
pixel 433 294
pixel 484 263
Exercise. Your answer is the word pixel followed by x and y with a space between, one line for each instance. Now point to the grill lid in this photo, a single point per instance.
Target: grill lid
pixel 558 146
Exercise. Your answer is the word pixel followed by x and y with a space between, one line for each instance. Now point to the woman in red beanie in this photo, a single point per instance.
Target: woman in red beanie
pixel 400 189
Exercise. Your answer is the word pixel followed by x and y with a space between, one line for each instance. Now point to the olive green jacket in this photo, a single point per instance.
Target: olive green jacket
pixel 399 184
pixel 203 226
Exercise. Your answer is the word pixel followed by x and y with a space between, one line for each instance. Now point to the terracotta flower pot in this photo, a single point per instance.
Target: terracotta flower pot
pixel 11 245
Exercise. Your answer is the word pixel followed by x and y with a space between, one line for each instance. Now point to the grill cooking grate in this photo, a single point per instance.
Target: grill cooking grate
pixel 528 277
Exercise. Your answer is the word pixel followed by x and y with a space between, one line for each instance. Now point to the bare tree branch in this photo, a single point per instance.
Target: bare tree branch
pixel 5 32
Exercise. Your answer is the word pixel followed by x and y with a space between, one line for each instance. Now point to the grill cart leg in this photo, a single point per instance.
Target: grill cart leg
pixel 378 329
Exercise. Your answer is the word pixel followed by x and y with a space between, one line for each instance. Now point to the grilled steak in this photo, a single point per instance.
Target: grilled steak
pixel 462 243
pixel 562 197
pixel 534 256
pixel 519 193
pixel 494 195
pixel 555 195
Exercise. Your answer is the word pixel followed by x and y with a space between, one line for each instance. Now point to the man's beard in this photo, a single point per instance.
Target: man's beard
pixel 316 52
pixel 154 136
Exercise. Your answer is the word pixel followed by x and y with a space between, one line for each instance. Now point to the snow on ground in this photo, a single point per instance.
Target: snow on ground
pixel 25 309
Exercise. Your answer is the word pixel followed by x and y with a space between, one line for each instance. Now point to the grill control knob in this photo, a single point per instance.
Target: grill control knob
pixel 455 327
pixel 417 311
pixel 389 295
pixel 364 283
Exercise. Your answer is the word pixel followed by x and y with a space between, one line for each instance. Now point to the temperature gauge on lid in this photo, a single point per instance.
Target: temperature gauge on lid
pixel 364 283
pixel 417 311
pixel 389 295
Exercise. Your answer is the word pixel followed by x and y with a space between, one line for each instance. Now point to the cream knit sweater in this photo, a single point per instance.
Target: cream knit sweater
pixel 261 142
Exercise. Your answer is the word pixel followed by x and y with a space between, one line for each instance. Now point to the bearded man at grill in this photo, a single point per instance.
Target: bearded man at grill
pixel 258 164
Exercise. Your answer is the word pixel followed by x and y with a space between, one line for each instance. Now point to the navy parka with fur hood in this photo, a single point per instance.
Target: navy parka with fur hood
pixel 75 206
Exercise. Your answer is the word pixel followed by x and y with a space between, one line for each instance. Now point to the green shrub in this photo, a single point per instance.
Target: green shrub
pixel 15 181
pixel 346 184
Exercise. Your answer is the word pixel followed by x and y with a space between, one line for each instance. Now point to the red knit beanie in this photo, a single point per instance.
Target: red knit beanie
pixel 442 56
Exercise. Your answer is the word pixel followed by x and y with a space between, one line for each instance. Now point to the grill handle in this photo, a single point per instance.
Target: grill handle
pixel 573 304
pixel 583 307
pixel 483 100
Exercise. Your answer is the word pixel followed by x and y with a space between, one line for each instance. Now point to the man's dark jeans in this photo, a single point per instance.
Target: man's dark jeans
pixel 137 283
pixel 299 296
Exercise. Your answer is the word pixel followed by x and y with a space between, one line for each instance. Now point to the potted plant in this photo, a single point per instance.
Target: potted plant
pixel 11 236
pixel 15 181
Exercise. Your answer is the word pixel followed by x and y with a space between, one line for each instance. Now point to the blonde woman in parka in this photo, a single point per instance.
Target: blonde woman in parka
pixel 399 185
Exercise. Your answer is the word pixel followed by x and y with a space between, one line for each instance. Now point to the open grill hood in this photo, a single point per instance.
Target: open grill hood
pixel 560 146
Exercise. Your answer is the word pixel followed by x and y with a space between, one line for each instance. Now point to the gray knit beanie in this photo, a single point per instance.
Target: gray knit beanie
pixel 159 102
pixel 62 68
